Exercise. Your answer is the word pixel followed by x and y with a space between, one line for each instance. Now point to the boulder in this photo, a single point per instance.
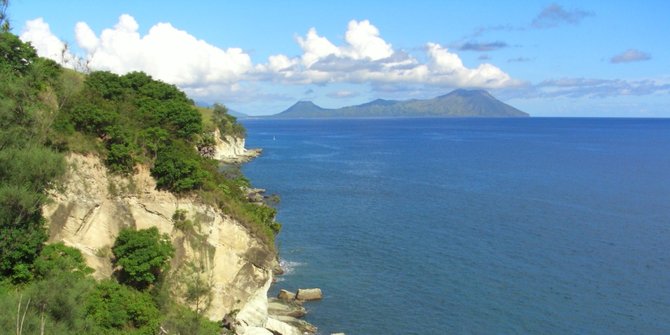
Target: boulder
pixel 282 328
pixel 307 294
pixel 302 325
pixel 254 331
pixel 292 308
pixel 286 295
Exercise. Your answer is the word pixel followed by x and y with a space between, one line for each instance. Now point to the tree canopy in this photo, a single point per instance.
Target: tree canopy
pixel 142 255
pixel 47 111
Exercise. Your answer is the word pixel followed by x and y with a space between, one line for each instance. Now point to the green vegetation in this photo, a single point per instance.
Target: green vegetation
pixel 47 111
pixel 142 255
pixel 27 166
pixel 117 309
pixel 178 168
pixel 226 122
pixel 181 222
pixel 135 119
pixel 4 22
pixel 458 103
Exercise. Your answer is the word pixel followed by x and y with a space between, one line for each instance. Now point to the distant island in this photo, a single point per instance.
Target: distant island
pixel 458 103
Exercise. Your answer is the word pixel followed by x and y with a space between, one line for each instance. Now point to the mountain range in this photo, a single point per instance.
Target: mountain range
pixel 458 103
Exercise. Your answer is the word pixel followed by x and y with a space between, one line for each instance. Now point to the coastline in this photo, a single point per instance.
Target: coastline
pixel 263 312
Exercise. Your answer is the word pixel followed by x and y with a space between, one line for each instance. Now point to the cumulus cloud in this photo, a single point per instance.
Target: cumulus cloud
pixel 630 55
pixel 315 47
pixel 555 15
pixel 165 52
pixel 38 33
pixel 177 57
pixel 365 43
pixel 476 46
pixel 366 57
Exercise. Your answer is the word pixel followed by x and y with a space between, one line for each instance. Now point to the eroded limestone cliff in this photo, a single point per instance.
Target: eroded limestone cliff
pixel 91 206
pixel 232 149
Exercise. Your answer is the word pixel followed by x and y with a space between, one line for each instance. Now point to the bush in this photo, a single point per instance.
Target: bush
pixel 22 231
pixel 185 120
pixel 58 258
pixel 105 84
pixel 143 255
pixel 92 119
pixel 33 168
pixel 227 123
pixel 116 309
pixel 178 168
pixel 61 299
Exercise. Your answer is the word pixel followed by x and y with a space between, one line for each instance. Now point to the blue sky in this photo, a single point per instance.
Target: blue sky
pixel 567 58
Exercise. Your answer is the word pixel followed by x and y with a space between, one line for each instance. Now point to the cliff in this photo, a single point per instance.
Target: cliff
pixel 232 149
pixel 91 206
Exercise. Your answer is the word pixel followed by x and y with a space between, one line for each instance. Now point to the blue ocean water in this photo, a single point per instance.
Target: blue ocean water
pixel 473 226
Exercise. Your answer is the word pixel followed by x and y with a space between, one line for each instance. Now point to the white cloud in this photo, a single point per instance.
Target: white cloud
pixel 367 58
pixel 86 37
pixel 179 58
pixel 38 33
pixel 165 52
pixel 316 47
pixel 365 43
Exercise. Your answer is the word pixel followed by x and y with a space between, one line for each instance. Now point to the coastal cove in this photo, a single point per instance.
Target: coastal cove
pixel 469 226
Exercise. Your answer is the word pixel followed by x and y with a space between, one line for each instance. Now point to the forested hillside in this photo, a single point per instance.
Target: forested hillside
pixel 46 112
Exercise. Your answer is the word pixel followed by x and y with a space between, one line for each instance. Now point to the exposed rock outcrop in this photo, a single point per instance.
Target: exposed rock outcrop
pixel 286 295
pixel 278 307
pixel 307 294
pixel 232 149
pixel 91 206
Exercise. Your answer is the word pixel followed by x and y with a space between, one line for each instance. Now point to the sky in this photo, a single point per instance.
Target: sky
pixel 564 59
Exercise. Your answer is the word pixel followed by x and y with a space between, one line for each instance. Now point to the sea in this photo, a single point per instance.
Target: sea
pixel 473 226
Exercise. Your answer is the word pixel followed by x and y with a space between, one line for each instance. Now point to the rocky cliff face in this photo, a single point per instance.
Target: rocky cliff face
pixel 232 149
pixel 92 206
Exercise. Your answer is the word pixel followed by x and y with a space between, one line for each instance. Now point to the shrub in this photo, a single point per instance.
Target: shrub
pixel 22 231
pixel 58 258
pixel 142 255
pixel 227 123
pixel 178 168
pixel 116 309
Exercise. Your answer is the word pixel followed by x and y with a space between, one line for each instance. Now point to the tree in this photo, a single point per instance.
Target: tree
pixel 16 54
pixel 27 168
pixel 105 84
pixel 4 20
pixel 58 258
pixel 62 287
pixel 227 123
pixel 142 255
pixel 178 168
pixel 117 309
pixel 22 231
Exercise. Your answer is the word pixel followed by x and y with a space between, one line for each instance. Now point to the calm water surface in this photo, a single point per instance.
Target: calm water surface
pixel 473 226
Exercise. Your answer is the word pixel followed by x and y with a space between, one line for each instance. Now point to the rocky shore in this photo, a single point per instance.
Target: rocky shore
pixel 231 149
pixel 91 206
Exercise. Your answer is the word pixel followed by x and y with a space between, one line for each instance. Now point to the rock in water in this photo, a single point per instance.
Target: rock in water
pixel 286 295
pixel 308 294
pixel 291 308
